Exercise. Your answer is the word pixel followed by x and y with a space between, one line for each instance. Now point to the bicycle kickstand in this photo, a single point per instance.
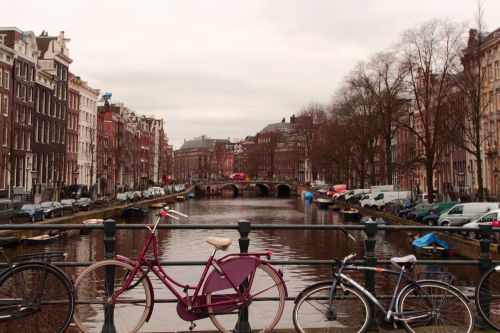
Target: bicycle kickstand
pixel 193 325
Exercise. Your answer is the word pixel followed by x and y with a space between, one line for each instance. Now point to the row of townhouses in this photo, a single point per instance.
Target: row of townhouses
pixel 56 131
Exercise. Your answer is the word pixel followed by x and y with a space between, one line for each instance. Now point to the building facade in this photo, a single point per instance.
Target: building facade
pixel 6 63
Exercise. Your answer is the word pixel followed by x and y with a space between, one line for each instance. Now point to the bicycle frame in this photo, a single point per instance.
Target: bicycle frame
pixel 391 312
pixel 193 305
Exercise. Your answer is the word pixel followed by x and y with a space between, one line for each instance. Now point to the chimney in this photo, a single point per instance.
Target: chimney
pixel 283 120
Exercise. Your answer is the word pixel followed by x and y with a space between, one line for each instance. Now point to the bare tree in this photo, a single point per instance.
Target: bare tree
pixel 469 105
pixel 383 78
pixel 430 54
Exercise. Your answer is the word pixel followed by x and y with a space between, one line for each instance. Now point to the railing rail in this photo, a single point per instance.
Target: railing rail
pixel 245 228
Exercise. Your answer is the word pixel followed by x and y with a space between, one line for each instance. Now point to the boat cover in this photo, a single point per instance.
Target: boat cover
pixel 430 239
pixel 308 195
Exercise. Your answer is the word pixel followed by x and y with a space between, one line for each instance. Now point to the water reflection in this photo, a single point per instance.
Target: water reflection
pixel 286 244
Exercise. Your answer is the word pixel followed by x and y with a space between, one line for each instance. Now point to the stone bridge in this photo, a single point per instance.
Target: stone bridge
pixel 263 188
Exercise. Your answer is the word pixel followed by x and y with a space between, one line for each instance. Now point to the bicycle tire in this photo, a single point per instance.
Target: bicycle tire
pixel 351 310
pixel 263 315
pixel 93 304
pixel 487 295
pixel 52 302
pixel 427 296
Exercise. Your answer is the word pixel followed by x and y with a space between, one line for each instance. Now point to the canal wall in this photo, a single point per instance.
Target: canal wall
pixel 464 247
pixel 78 218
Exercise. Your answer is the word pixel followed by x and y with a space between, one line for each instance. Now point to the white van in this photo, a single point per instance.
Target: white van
pixel 461 213
pixel 381 198
pixel 424 197
pixel 367 199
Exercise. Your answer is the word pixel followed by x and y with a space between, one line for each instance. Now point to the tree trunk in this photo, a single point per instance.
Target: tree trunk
pixel 480 184
pixel 430 186
pixel 388 161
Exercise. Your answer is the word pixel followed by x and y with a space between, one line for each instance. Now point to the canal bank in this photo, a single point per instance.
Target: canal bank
pixel 78 218
pixel 467 248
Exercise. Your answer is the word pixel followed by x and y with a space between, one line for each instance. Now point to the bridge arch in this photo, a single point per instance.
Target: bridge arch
pixel 263 189
pixel 283 191
pixel 231 186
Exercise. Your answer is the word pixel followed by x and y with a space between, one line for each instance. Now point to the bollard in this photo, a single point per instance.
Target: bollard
pixel 243 326
pixel 371 229
pixel 109 253
pixel 484 263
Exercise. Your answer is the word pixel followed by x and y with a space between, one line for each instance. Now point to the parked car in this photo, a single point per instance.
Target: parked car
pixel 146 194
pixel 84 204
pixel 435 208
pixel 460 214
pixel 433 217
pixel 410 213
pixel 485 219
pixel 52 209
pixel 69 206
pixel 137 195
pixel 122 197
pixel 6 211
pixel 130 196
pixel 35 212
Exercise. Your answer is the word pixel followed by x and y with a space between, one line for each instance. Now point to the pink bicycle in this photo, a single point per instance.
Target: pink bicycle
pixel 117 295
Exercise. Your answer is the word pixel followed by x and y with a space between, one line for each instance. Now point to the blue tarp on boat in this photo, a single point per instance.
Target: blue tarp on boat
pixel 430 239
pixel 308 195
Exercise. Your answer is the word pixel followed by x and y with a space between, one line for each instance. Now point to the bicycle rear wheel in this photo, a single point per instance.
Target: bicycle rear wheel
pixel 94 310
pixel 442 308
pixel 488 297
pixel 40 296
pixel 350 310
pixel 263 312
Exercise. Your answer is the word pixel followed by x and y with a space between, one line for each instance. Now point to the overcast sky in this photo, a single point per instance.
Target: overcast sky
pixel 227 68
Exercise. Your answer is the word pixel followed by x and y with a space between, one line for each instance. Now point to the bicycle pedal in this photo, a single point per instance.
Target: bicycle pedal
pixel 193 325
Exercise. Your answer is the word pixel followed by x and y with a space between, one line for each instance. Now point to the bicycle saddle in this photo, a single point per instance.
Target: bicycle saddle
pixel 220 243
pixel 408 260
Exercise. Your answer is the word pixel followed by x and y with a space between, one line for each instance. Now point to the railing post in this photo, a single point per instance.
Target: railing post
pixel 371 229
pixel 484 264
pixel 243 326
pixel 109 253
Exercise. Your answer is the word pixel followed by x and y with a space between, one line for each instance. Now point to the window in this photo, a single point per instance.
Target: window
pixel 5 135
pixel 497 70
pixel 457 210
pixel 6 83
pixel 1 76
pixel 5 105
pixel 490 73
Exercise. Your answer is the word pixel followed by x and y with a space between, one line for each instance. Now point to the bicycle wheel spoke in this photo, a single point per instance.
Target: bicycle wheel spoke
pixel 262 310
pixel 45 295
pixel 95 311
pixel 488 298
pixel 349 312
pixel 446 310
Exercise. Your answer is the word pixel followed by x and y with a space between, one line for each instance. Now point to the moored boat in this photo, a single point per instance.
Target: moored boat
pixel 431 245
pixel 180 198
pixel 350 214
pixel 9 242
pixel 42 239
pixel 157 205
pixel 323 203
pixel 135 210
pixel 93 221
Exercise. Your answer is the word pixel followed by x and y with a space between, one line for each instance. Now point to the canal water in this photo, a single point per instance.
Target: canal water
pixel 181 245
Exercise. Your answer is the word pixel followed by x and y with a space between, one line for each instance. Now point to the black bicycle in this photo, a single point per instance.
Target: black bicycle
pixel 343 305
pixel 35 295
pixel 488 297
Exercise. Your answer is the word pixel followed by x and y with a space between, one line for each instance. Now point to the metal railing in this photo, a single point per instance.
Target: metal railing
pixel 244 228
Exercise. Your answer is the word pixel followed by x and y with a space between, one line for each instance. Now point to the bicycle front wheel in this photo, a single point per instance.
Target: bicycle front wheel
pixel 350 311
pixel 431 306
pixel 488 297
pixel 39 296
pixel 96 312
pixel 263 310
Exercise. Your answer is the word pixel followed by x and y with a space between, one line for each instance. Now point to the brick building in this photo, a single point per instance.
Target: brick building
pixel 6 63
pixel 72 121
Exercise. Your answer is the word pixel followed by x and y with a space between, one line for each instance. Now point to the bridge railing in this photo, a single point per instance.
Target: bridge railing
pixel 110 228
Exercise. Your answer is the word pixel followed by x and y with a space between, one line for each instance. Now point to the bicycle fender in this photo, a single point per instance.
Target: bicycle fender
pixel 279 273
pixel 305 290
pixel 460 294
pixel 235 270
pixel 148 281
